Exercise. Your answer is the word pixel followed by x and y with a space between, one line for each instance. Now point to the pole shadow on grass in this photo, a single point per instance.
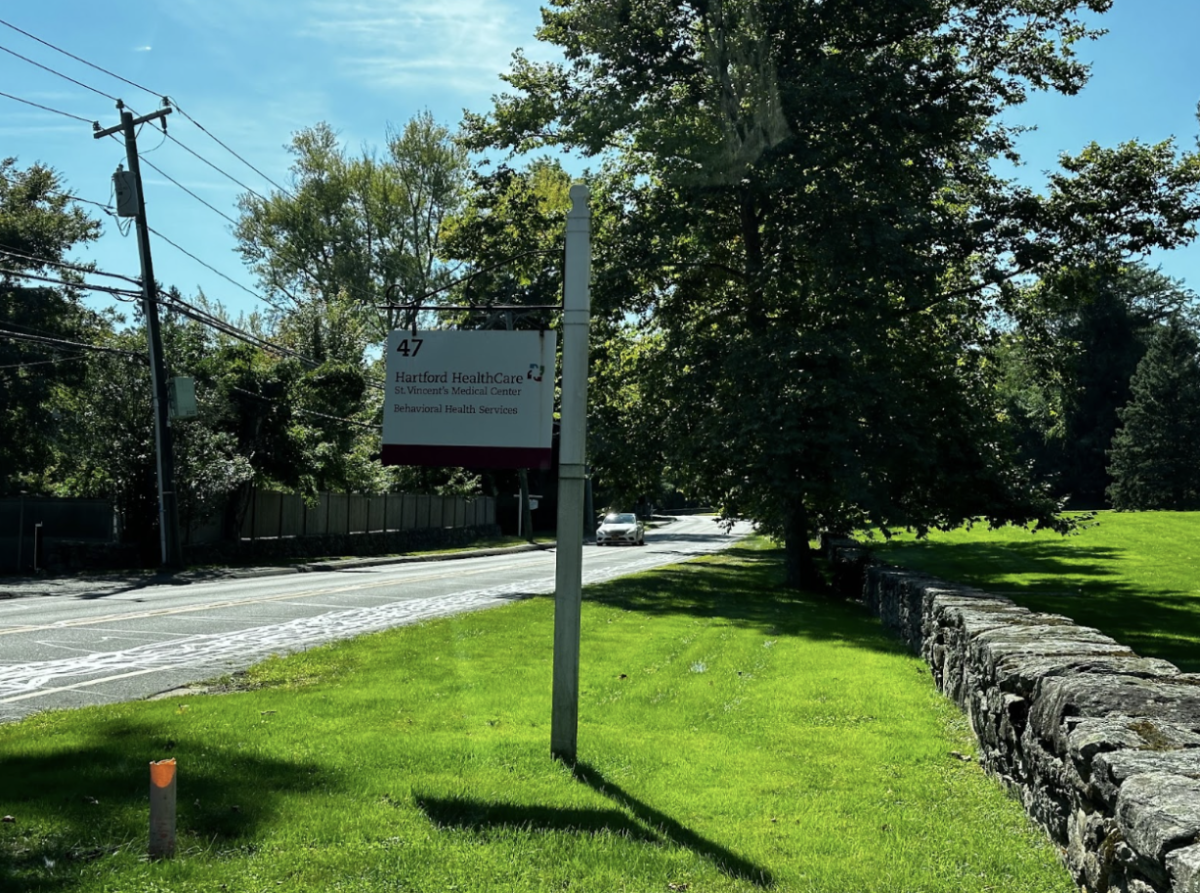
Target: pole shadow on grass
pixel 647 825
pixel 90 800
pixel 728 862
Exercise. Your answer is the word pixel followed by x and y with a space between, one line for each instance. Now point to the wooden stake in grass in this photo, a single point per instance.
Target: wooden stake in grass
pixel 162 809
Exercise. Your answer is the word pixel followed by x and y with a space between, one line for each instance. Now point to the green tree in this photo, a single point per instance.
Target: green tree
pixel 266 418
pixel 103 445
pixel 814 236
pixel 508 236
pixel 367 226
pixel 39 225
pixel 1155 456
pixel 506 245
pixel 1067 369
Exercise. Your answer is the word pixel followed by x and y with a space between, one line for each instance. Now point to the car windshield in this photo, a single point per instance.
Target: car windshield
pixel 622 518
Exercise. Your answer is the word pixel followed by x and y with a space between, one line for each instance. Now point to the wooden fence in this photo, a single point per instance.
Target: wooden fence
pixel 273 515
pixel 31 522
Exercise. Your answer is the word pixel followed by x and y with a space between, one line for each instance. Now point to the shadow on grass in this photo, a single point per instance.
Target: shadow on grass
pixel 647 825
pixel 475 815
pixel 745 587
pixel 728 862
pixel 1075 581
pixel 91 800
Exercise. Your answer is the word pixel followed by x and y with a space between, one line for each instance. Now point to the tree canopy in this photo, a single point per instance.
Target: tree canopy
pixel 38 322
pixel 815 243
pixel 1155 456
pixel 368 225
pixel 1067 368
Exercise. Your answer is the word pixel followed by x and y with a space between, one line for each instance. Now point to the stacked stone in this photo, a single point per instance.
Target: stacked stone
pixel 1101 746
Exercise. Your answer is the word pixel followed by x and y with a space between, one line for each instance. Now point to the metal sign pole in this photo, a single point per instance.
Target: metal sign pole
pixel 564 720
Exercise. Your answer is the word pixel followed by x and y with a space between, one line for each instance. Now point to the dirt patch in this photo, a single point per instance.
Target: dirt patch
pixel 225 685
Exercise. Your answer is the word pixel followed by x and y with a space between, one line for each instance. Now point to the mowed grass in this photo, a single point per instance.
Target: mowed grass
pixel 733 737
pixel 1133 575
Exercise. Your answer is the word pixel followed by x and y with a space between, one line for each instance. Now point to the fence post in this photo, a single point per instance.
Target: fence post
pixel 21 536
pixel 38 545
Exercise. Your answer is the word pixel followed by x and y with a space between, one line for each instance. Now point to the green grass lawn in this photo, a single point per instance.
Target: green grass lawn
pixel 1133 575
pixel 732 737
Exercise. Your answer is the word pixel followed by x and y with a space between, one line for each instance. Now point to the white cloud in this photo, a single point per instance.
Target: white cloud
pixel 458 45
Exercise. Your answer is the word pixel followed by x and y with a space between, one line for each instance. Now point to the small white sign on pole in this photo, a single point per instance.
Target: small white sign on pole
pixel 477 399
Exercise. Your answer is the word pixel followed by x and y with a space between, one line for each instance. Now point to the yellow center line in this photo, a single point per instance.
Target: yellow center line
pixel 233 603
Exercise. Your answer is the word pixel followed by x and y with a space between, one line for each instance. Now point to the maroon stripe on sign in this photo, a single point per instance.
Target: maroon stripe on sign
pixel 466 456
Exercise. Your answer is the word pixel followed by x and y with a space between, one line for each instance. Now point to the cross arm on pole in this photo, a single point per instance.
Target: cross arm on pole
pixel 109 131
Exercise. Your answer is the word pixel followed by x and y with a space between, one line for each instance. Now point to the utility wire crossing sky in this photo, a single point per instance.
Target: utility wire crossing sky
pixel 244 77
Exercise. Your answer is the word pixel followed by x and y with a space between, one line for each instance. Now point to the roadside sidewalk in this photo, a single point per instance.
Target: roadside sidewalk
pixel 85 585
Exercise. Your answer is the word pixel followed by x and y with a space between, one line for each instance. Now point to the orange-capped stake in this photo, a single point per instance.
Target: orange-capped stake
pixel 162 809
pixel 162 773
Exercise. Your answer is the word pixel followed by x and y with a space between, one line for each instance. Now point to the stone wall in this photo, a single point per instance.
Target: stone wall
pixel 1100 745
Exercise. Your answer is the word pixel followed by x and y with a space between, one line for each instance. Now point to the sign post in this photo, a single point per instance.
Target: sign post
pixel 568 579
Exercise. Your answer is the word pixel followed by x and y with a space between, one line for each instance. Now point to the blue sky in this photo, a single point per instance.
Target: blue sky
pixel 252 73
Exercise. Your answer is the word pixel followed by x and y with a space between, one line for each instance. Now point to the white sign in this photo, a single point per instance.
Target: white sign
pixel 477 399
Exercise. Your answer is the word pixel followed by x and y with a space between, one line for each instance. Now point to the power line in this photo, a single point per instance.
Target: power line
pixel 66 77
pixel 74 267
pixel 212 208
pixel 191 311
pixel 66 195
pixel 44 108
pixel 84 286
pixel 174 139
pixel 39 339
pixel 40 362
pixel 145 89
pixel 33 330
pixel 58 49
pixel 227 149
pixel 312 412
pixel 214 269
pixel 219 170
pixel 202 316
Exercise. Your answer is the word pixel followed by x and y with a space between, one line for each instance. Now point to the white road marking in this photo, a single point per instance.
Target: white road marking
pixel 235 603
pixel 61 688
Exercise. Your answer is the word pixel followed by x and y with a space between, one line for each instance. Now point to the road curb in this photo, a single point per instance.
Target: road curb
pixel 45 587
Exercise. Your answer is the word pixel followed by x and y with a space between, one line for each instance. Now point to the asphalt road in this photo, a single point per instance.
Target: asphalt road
pixel 72 643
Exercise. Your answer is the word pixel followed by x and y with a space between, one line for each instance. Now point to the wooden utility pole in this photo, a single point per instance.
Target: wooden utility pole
pixel 168 511
pixel 568 573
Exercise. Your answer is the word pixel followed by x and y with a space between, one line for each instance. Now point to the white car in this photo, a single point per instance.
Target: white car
pixel 621 527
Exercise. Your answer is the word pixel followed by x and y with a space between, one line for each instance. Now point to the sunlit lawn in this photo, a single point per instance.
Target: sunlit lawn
pixel 732 737
pixel 1134 575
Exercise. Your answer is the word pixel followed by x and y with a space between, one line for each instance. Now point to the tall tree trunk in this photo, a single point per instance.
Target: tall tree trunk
pixel 800 569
